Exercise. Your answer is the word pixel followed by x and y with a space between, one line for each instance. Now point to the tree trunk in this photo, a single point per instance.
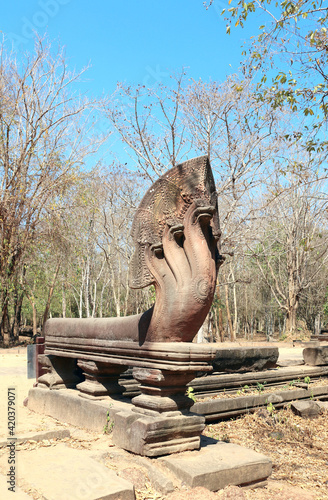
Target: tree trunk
pixel 220 315
pixel 291 317
pixel 35 325
pixel 64 305
pixel 235 318
pixel 17 316
pixel 50 294
pixel 86 288
pixel 292 306
pixel 226 288
pixel 200 335
pixel 4 325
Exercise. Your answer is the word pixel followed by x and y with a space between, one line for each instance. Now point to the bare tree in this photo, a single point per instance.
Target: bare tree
pixel 149 122
pixel 290 244
pixel 44 139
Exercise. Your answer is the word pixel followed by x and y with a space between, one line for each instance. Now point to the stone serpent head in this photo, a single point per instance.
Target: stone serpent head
pixel 176 233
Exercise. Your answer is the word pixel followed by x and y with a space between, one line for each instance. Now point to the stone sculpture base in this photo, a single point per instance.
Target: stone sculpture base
pixel 214 466
pixel 219 464
pixel 153 435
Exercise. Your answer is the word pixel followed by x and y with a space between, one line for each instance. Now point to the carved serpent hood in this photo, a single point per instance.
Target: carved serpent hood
pixel 176 234
pixel 165 204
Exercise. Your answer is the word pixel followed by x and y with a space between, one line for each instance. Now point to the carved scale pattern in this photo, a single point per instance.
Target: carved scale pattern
pixel 166 202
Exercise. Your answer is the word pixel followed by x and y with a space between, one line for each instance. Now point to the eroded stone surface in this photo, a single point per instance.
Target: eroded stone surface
pixel 39 436
pixel 199 493
pixel 316 356
pixel 219 464
pixel 63 472
pixel 245 359
pixel 67 406
pixel 306 409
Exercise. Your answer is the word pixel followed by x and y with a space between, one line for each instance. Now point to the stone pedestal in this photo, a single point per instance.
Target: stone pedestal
pixel 153 434
pixel 101 379
pixel 160 422
pixel 162 390
pixel 61 372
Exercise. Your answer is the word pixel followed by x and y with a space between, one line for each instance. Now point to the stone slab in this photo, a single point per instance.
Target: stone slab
pixel 316 356
pixel 39 436
pixel 66 473
pixel 215 409
pixel 245 359
pixel 306 409
pixel 215 382
pixel 218 464
pixel 67 406
pixel 18 494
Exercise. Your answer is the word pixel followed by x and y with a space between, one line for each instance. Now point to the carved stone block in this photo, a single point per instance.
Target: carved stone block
pixel 316 356
pixel 60 373
pixel 162 390
pixel 154 435
pixel 101 379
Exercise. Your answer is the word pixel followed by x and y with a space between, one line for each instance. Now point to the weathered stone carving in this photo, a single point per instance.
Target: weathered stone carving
pixel 176 233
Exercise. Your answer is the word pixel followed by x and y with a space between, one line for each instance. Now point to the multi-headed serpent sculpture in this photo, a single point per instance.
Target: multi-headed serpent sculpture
pixel 176 233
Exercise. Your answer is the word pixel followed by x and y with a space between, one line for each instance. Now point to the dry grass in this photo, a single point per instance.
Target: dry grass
pixel 297 447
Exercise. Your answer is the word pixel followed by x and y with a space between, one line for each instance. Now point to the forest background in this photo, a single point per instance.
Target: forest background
pixel 66 209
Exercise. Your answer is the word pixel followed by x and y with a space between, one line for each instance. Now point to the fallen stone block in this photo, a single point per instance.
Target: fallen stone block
pixel 316 356
pixel 306 409
pixel 218 464
pixel 65 473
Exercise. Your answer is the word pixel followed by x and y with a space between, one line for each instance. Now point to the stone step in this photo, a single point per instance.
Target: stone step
pixel 38 436
pixel 218 464
pixel 66 473
pixel 216 409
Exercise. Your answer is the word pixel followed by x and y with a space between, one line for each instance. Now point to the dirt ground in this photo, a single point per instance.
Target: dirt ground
pixel 298 448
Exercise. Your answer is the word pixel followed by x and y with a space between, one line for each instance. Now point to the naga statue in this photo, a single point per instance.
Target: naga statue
pixel 176 233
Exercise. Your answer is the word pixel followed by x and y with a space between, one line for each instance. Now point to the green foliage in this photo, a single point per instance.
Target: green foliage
pixel 270 408
pixel 260 387
pixel 109 425
pixel 191 394
pixel 295 31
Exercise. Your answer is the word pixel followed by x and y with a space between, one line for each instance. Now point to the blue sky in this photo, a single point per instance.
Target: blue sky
pixel 136 41
pixel 131 41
